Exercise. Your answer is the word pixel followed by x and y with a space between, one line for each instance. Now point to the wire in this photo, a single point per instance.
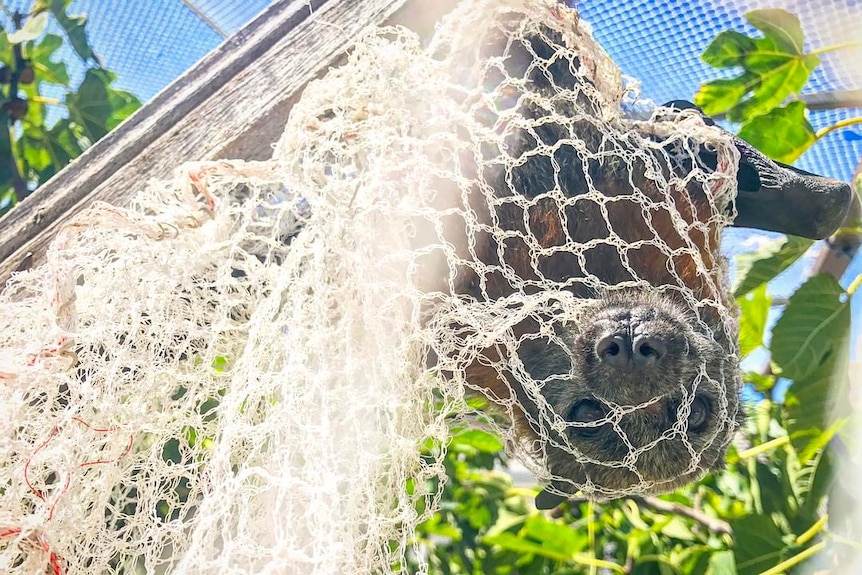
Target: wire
pixel 199 12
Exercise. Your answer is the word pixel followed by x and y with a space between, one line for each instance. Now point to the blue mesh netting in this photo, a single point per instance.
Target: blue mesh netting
pixel 660 42
pixel 149 43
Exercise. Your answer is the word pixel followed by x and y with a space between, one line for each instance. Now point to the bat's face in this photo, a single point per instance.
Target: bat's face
pixel 632 396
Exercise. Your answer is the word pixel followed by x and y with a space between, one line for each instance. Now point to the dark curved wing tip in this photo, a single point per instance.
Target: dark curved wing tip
pixel 780 198
pixel 549 500
pixel 802 204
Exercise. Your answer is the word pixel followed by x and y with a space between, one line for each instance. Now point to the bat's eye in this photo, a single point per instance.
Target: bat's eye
pixel 587 411
pixel 698 417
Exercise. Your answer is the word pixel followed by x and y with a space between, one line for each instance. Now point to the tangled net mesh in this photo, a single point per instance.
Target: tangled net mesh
pixel 239 372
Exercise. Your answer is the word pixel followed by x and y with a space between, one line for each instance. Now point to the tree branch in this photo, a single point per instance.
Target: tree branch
pixel 18 183
pixel 833 100
pixel 825 101
pixel 711 523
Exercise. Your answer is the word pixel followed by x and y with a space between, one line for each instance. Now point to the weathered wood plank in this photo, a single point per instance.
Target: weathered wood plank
pixel 234 103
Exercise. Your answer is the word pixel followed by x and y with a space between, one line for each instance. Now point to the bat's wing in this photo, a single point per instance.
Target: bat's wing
pixel 777 197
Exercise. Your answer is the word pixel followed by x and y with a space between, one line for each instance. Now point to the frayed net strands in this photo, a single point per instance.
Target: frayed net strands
pixel 239 373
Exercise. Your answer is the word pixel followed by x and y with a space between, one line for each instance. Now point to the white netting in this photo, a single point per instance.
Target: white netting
pixel 238 373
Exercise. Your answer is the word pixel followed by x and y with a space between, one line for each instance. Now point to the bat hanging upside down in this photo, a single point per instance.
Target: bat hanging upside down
pixel 640 391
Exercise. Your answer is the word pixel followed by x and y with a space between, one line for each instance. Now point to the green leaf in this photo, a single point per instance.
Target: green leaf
pixel 757 543
pixel 783 134
pixel 820 481
pixel 814 325
pixel 35 115
pixel 757 268
pixel 437 526
pixel 45 152
pixel 812 415
pixel 810 343
pixel 718 96
pixel 543 537
pixel 6 157
pixel 559 539
pixel 63 143
pixel 477 439
pixel 506 520
pixel 722 563
pixel 694 560
pixel 40 58
pixel 762 383
pixel 819 441
pixel 8 199
pixel 776 494
pixel 90 106
pixel 97 107
pixel 773 67
pixel 7 56
pixel 33 156
pixel 514 543
pixel 51 72
pixel 677 529
pixel 754 309
pixel 75 28
pixel 779 78
pixel 781 26
pixel 220 364
pixel 124 104
pixel 807 404
pixel 729 49
pixel 32 29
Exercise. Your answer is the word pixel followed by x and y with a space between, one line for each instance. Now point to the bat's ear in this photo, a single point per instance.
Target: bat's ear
pixel 780 198
pixel 686 105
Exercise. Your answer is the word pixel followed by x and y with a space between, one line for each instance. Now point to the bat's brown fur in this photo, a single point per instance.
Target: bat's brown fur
pixel 577 381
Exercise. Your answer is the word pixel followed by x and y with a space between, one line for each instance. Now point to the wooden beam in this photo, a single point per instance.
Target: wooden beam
pixel 234 103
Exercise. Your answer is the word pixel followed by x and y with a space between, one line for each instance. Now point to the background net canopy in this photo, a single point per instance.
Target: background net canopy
pixel 255 367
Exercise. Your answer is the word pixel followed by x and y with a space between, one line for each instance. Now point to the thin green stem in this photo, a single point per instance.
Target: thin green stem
pixel 834 47
pixel 595 564
pixel 45 100
pixel 591 534
pixel 764 447
pixel 796 559
pixel 838 126
pixel 812 531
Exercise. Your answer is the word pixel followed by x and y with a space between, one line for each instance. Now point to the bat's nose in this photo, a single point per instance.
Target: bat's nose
pixel 620 351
